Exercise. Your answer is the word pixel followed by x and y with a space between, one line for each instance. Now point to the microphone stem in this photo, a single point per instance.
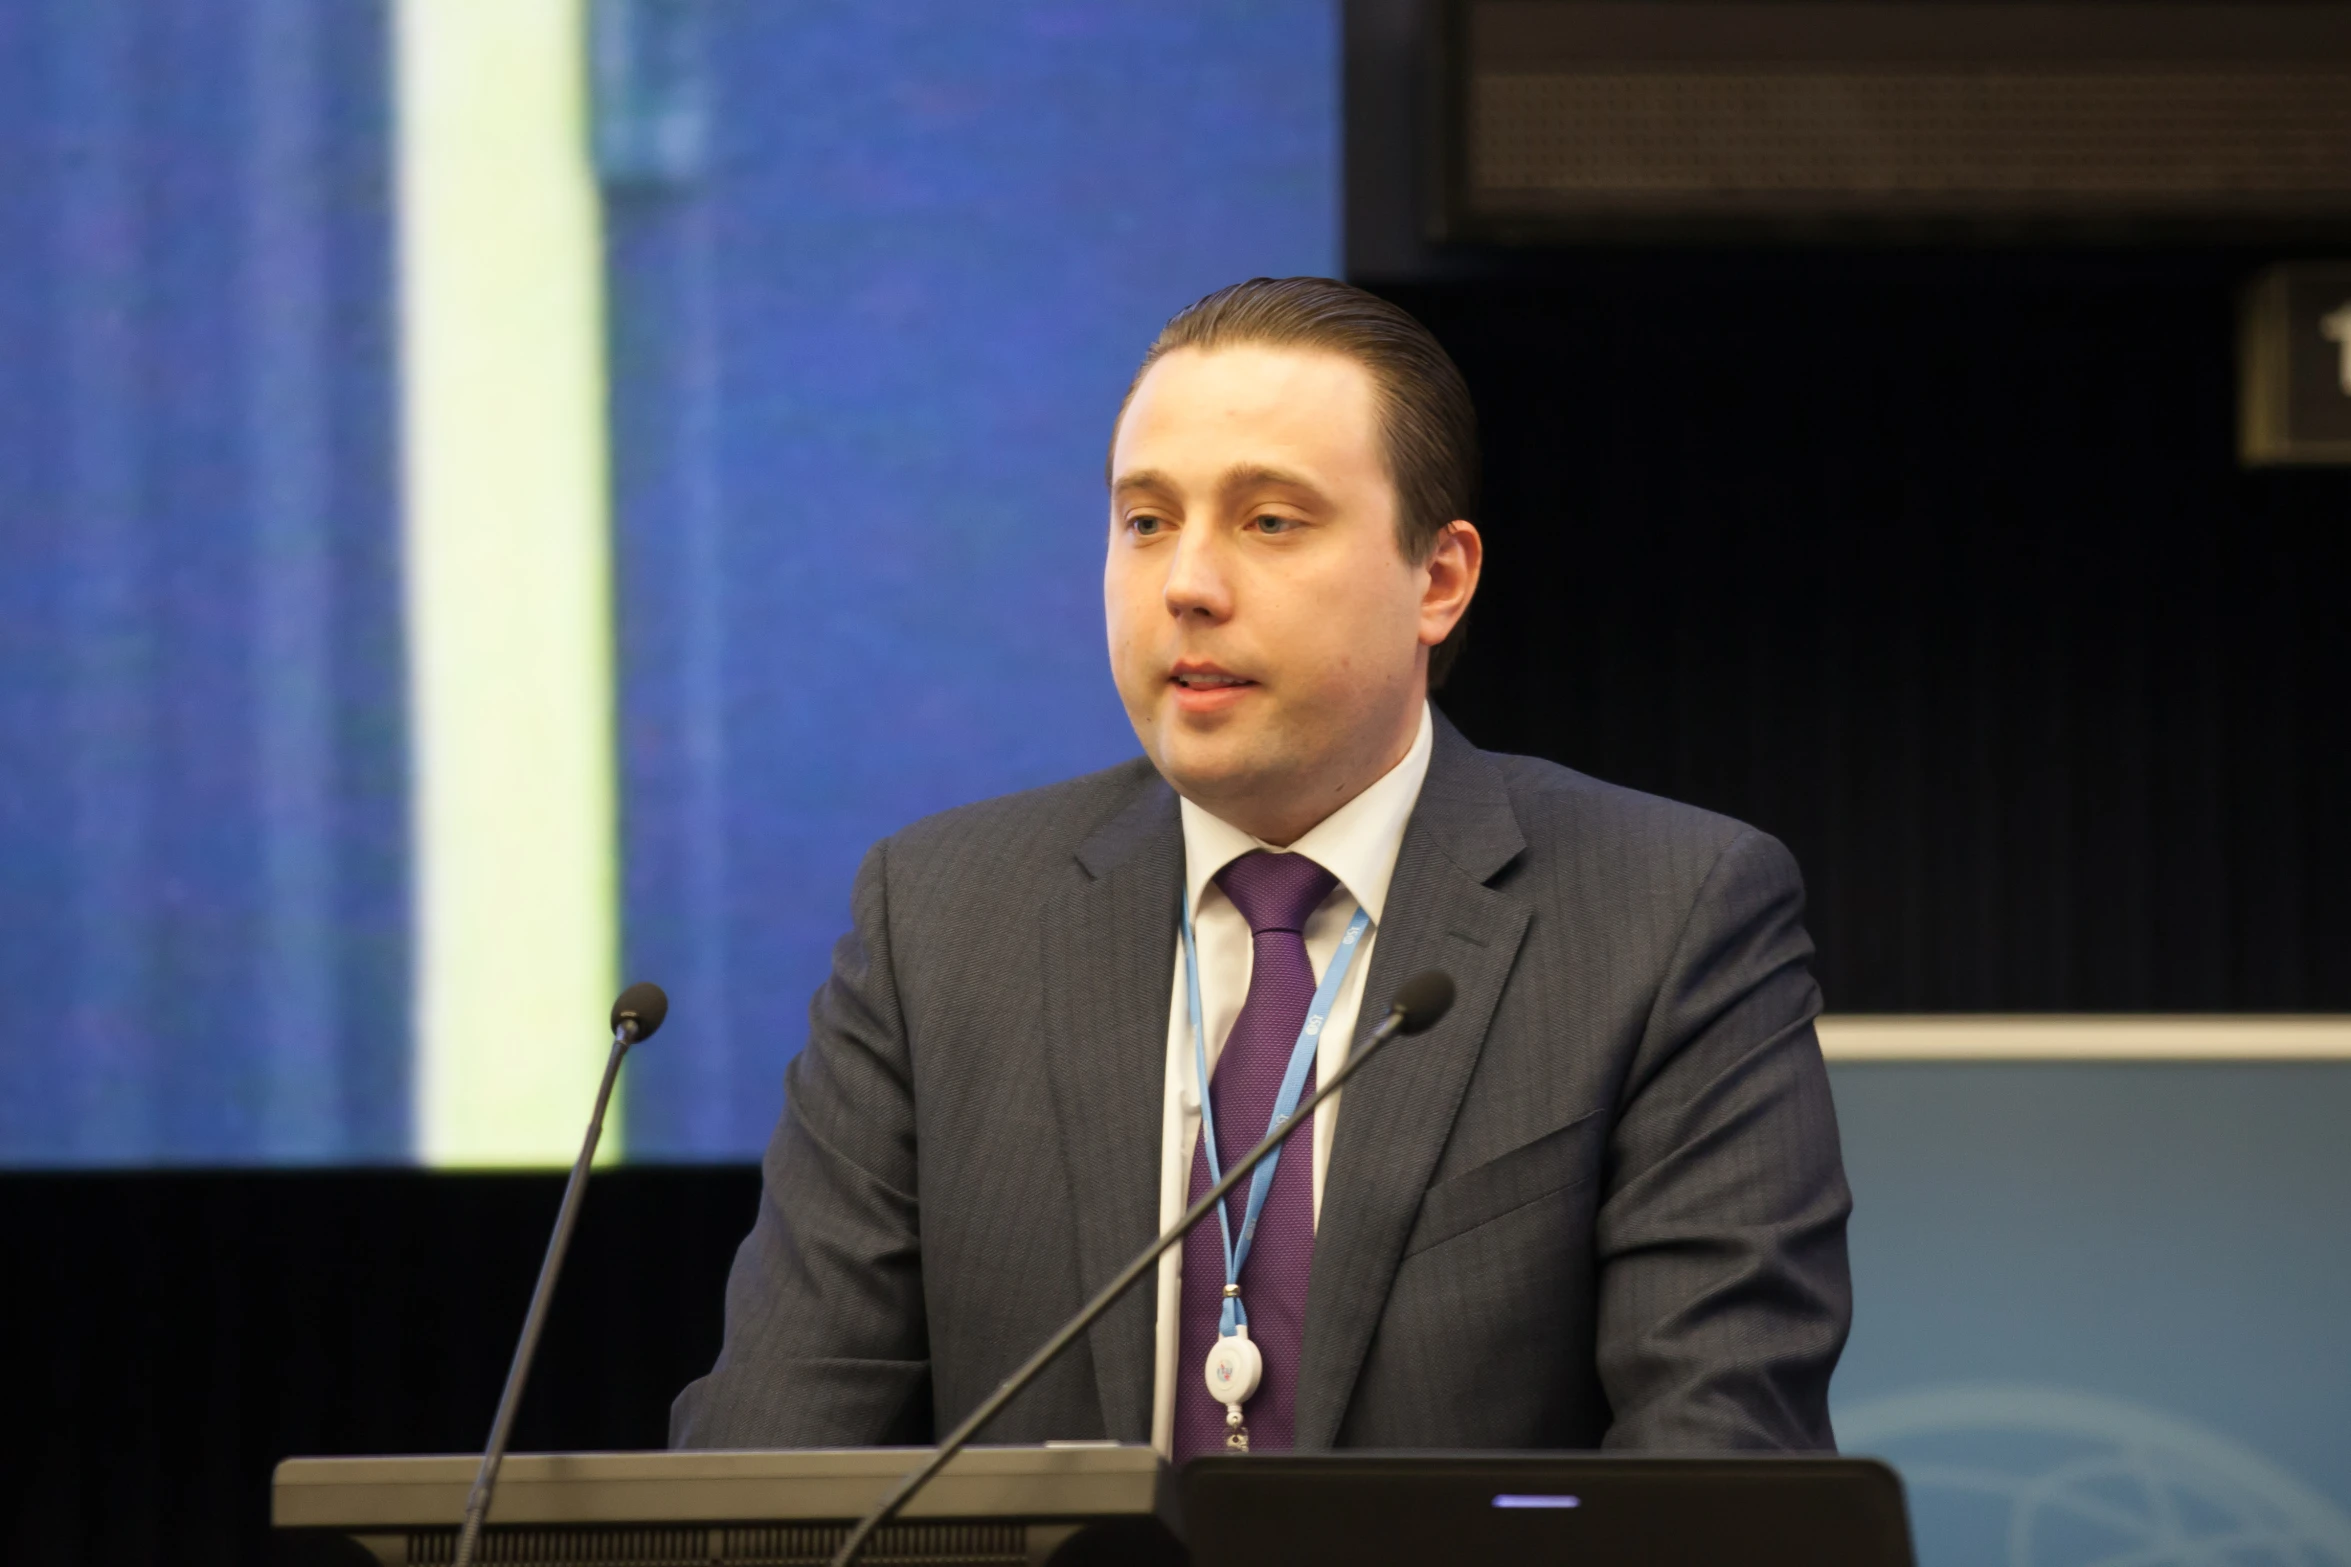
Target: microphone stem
pixel 477 1503
pixel 958 1438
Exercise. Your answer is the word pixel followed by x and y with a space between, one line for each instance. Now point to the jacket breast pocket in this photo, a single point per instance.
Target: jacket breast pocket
pixel 1559 1160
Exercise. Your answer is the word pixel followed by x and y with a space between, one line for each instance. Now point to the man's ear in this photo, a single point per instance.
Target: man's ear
pixel 1453 565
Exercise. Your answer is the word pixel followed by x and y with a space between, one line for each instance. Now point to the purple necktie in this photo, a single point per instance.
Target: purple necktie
pixel 1275 893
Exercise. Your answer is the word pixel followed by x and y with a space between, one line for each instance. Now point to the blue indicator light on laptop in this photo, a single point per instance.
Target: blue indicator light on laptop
pixel 1514 1499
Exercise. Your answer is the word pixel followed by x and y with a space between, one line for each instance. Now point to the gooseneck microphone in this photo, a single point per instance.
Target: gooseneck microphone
pixel 1420 1001
pixel 635 1017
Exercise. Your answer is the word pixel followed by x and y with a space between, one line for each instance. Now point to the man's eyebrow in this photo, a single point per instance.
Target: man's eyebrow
pixel 1238 479
pixel 1142 479
pixel 1258 476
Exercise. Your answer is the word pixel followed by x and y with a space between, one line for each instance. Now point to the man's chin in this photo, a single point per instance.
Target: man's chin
pixel 1206 768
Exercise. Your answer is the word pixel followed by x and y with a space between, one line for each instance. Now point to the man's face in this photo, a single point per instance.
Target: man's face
pixel 1268 637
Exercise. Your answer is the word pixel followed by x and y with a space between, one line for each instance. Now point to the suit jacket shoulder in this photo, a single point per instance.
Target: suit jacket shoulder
pixel 1665 873
pixel 1012 836
pixel 1570 816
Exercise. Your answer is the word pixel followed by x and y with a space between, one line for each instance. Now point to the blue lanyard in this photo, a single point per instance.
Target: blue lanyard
pixel 1293 1087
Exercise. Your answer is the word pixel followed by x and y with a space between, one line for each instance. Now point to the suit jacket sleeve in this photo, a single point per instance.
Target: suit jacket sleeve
pixel 1724 1297
pixel 826 1343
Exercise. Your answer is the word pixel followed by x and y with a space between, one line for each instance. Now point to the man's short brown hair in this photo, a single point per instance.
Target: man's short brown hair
pixel 1427 421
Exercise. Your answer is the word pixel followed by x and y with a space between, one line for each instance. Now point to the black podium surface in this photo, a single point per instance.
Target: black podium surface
pixel 1103 1503
pixel 1589 1509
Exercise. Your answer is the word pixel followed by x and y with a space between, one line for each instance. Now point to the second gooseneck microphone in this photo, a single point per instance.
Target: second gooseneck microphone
pixel 635 1016
pixel 1420 1001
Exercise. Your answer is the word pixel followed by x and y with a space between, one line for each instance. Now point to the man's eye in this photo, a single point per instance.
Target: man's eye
pixel 1145 525
pixel 1269 523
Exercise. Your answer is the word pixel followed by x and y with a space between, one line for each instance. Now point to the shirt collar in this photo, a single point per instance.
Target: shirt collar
pixel 1357 843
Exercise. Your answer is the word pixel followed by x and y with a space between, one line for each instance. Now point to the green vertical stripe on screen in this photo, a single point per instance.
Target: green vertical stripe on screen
pixel 508 577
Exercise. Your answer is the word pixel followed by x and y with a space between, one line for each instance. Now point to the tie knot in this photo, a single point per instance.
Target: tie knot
pixel 1275 891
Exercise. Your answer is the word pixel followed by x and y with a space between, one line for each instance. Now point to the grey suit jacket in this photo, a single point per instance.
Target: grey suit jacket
pixel 1600 1204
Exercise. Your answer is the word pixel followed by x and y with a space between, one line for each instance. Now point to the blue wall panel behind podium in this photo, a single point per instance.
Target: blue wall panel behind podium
pixel 879 276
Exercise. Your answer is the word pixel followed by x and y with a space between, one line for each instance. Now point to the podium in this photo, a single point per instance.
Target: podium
pixel 1090 1504
pixel 991 1507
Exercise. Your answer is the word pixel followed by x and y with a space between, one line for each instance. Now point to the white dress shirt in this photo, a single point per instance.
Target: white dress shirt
pixel 1357 844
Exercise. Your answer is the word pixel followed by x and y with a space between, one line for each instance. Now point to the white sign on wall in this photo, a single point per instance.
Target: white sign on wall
pixel 2295 351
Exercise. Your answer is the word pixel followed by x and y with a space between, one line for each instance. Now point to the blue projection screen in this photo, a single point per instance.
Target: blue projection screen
pixel 203 768
pixel 867 348
pixel 875 279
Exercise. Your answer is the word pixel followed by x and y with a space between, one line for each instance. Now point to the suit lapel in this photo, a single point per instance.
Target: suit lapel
pixel 1394 1119
pixel 1107 965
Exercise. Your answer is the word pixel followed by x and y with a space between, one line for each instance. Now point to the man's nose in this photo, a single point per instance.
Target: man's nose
pixel 1196 581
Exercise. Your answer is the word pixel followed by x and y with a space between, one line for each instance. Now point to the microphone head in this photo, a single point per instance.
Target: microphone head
pixel 644 1005
pixel 1423 999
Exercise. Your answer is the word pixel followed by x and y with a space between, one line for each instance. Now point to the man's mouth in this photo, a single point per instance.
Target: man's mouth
pixel 1203 690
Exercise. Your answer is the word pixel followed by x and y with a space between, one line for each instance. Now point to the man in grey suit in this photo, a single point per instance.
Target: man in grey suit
pixel 1600 1204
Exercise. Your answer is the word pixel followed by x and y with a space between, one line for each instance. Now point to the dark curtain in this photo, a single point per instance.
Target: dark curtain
pixel 1942 569
pixel 171 1337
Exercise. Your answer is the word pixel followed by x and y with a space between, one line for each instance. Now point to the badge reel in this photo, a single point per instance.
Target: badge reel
pixel 1234 1369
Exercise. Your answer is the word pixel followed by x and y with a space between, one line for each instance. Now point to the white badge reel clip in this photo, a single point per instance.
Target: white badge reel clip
pixel 1235 1367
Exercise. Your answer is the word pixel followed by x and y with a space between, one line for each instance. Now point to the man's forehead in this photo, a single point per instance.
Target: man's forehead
pixel 1275 414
